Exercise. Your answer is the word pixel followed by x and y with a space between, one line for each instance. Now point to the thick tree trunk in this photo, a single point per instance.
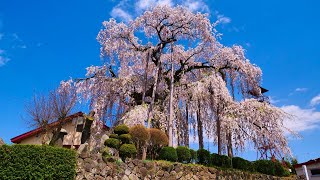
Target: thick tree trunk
pixel 55 135
pixel 145 79
pixel 229 147
pixel 150 113
pixel 200 128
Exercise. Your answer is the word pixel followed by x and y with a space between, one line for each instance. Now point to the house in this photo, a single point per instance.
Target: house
pixel 74 132
pixel 311 168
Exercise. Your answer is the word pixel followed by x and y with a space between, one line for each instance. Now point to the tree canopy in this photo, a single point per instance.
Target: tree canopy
pixel 170 56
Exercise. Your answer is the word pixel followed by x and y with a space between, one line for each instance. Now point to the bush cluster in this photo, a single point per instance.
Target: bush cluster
pixel 169 154
pixel 242 164
pixel 271 168
pixel 36 162
pixel 127 151
pixel 194 156
pixel 121 129
pixel 121 141
pixel 114 136
pixel 113 143
pixel 125 139
pixel 184 154
pixel 203 157
pixel 220 160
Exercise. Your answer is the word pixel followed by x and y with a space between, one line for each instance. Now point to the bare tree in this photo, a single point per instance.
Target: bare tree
pixel 43 110
pixel 62 102
pixel 40 113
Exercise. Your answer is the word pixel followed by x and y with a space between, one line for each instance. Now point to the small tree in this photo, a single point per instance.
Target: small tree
pixel 43 110
pixel 158 139
pixel 140 135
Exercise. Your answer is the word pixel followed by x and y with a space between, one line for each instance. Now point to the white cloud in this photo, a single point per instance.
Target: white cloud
pixel 315 100
pixel 3 58
pixel 118 12
pixel 301 89
pixel 144 4
pixel 196 5
pixel 222 19
pixel 128 9
pixel 165 2
pixel 304 119
pixel 273 100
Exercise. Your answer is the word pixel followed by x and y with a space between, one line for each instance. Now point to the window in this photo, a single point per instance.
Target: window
pixel 315 172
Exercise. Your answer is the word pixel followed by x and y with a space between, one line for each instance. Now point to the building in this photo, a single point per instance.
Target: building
pixel 312 168
pixel 72 134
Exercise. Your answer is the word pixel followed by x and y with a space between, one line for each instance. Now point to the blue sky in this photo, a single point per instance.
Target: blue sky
pixel 44 42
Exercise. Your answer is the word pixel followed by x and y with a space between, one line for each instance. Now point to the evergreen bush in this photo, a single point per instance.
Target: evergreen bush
pixel 183 154
pixel 203 157
pixel 127 151
pixel 125 138
pixel 114 136
pixel 113 143
pixel 271 168
pixel 169 154
pixel 121 129
pixel 242 164
pixel 37 162
pixel 220 160
pixel 194 156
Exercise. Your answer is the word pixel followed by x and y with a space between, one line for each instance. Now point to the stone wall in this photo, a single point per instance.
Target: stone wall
pixel 95 167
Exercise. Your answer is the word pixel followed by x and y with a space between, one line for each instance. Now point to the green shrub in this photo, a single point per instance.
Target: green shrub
pixel 114 136
pixel 36 162
pixel 168 153
pixel 183 154
pixel 271 168
pixel 220 160
pixel 121 129
pixel 125 138
pixel 127 150
pixel 242 164
pixel 194 156
pixel 113 143
pixel 203 156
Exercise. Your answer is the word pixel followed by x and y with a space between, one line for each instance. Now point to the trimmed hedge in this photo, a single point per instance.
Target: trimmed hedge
pixel 114 136
pixel 220 160
pixel 271 168
pixel 36 162
pixel 183 154
pixel 203 156
pixel 127 150
pixel 242 164
pixel 168 153
pixel 194 156
pixel 113 143
pixel 125 139
pixel 121 129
